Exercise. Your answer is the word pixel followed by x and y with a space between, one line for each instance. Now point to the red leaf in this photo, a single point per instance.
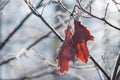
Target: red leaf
pixel 74 45
pixel 80 37
pixel 66 52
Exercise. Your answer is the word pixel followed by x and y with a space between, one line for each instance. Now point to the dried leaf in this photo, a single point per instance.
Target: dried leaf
pixel 66 52
pixel 74 45
pixel 80 37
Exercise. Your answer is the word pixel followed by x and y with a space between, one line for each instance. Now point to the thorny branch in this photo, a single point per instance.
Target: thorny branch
pixel 55 32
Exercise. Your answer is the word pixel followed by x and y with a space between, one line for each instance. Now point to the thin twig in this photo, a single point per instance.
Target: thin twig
pixel 52 72
pixel 72 13
pixel 32 44
pixel 57 26
pixel 116 67
pixel 7 61
pixel 106 10
pixel 82 66
pixel 34 11
pixel 18 27
pixel 89 13
pixel 44 59
pixel 118 76
pixel 102 19
pixel 105 73
pixel 45 7
pixel 116 4
pixel 100 74
pixel 44 36
pixel 61 4
pixel 3 3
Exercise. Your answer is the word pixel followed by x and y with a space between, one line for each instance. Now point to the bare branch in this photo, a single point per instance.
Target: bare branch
pixel 83 66
pixel 3 3
pixel 72 13
pixel 105 73
pixel 62 5
pixel 116 4
pixel 45 36
pixel 44 59
pixel 118 76
pixel 45 6
pixel 34 11
pixel 52 72
pixel 116 67
pixel 32 44
pixel 7 61
pixel 100 74
pixel 102 19
pixel 18 27
pixel 106 10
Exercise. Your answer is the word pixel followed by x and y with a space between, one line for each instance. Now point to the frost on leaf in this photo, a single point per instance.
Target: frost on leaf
pixel 66 52
pixel 74 45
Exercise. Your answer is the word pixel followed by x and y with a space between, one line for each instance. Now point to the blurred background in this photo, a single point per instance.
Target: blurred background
pixel 34 61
